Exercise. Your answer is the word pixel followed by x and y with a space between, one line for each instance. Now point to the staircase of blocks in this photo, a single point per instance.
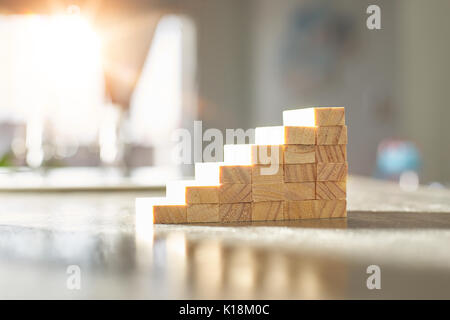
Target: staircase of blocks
pixel 294 171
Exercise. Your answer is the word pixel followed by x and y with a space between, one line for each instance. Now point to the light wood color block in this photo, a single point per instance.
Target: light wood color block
pixel 299 190
pixel 235 174
pixel 330 208
pixel 295 210
pixel 334 116
pixel 294 154
pixel 332 135
pixel 332 171
pixel 248 154
pixel 278 135
pixel 235 192
pixel 300 135
pixel 203 213
pixel 300 172
pixel 267 211
pixel 319 116
pixel 169 214
pixel 234 212
pixel 331 190
pixel 268 192
pixel 315 209
pixel 332 153
pixel 259 174
pixel 202 194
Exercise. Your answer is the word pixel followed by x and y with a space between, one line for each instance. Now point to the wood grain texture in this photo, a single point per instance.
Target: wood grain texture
pixel 202 194
pixel 234 212
pixel 331 190
pixel 299 191
pixel 235 192
pixel 332 153
pixel 334 116
pixel 332 135
pixel 294 154
pixel 235 174
pixel 267 211
pixel 259 174
pixel 300 172
pixel 267 154
pixel 268 192
pixel 300 135
pixel 169 214
pixel 294 210
pixel 330 208
pixel 332 171
pixel 203 213
pixel 315 209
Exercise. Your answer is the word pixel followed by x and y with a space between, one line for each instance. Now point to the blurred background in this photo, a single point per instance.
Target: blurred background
pixel 93 90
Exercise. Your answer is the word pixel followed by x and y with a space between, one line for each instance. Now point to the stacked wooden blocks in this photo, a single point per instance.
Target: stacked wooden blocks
pixel 294 171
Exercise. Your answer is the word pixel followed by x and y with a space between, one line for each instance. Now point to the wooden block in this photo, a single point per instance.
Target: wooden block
pixel 203 213
pixel 233 212
pixel 169 214
pixel 332 171
pixel 305 172
pixel 315 209
pixel 294 154
pixel 332 153
pixel 294 210
pixel 202 194
pixel 267 211
pixel 299 190
pixel 248 154
pixel 235 192
pixel 235 174
pixel 331 190
pixel 259 174
pixel 332 135
pixel 300 135
pixel 319 116
pixel 329 116
pixel 330 208
pixel 268 192
pixel 278 135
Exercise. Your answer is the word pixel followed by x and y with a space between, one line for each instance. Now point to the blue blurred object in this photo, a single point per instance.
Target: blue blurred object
pixel 395 157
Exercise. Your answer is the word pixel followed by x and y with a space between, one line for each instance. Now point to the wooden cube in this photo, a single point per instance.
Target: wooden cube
pixel 235 212
pixel 260 174
pixel 202 194
pixel 300 172
pixel 299 190
pixel 332 135
pixel 319 116
pixel 235 192
pixel 267 154
pixel 268 192
pixel 315 209
pixel 169 214
pixel 331 153
pixel 248 154
pixel 267 211
pixel 208 212
pixel 332 171
pixel 295 154
pixel 278 135
pixel 235 174
pixel 294 210
pixel 331 190
pixel 330 208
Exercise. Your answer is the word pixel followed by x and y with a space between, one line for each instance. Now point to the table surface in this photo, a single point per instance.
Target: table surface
pixel 120 256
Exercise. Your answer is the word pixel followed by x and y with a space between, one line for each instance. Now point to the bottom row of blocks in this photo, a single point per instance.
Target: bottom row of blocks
pixel 253 211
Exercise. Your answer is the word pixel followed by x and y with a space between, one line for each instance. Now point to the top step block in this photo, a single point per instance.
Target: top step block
pixel 319 116
pixel 279 135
